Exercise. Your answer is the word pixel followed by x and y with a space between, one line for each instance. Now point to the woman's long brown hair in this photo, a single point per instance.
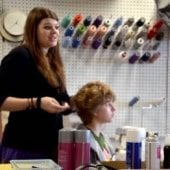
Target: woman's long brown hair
pixel 51 67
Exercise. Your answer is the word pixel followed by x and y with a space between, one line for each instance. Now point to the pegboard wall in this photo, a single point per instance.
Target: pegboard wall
pixel 148 81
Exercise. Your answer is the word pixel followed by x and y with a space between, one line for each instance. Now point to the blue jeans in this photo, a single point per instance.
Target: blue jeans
pixel 7 154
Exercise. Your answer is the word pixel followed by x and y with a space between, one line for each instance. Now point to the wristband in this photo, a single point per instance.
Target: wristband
pixel 38 103
pixel 32 103
pixel 29 104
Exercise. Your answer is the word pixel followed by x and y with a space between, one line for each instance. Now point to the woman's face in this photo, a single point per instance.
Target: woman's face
pixel 105 112
pixel 48 33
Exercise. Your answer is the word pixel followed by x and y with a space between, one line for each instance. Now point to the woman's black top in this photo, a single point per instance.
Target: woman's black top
pixel 34 130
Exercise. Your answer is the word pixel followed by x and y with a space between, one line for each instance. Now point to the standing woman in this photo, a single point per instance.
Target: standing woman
pixel 33 90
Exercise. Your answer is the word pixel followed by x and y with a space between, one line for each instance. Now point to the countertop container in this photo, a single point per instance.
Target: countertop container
pixel 37 164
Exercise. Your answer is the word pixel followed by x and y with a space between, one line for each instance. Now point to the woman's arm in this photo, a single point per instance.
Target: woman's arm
pixel 48 104
pixel 16 104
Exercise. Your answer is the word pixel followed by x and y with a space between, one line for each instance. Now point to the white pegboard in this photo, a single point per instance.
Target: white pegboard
pixel 82 65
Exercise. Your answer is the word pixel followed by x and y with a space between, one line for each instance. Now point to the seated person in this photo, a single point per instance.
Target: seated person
pixel 94 103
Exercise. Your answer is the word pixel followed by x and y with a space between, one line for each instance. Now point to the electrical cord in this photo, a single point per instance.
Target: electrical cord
pixel 95 166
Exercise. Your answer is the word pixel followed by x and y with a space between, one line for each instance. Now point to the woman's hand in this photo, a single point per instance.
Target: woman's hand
pixel 51 105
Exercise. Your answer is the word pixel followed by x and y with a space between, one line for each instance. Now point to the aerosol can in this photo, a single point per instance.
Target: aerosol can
pixel 152 152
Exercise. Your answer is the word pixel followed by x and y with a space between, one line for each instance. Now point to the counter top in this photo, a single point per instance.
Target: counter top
pixel 5 166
